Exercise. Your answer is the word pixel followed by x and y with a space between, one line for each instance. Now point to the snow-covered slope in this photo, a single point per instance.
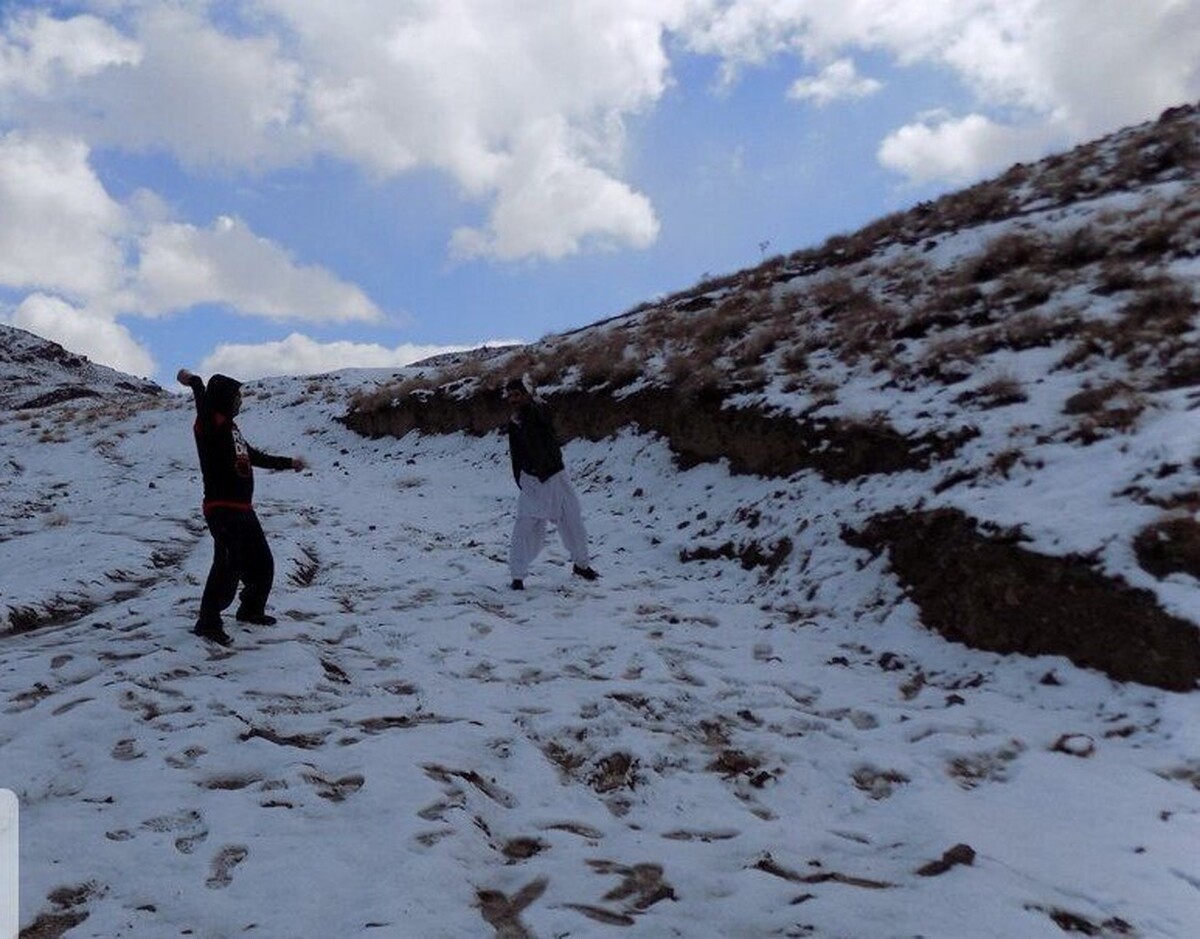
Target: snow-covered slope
pixel 414 751
pixel 1006 379
pixel 35 373
pixel 745 729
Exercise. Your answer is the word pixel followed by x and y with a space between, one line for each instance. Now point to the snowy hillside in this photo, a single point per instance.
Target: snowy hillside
pixel 414 751
pixel 35 373
pixel 975 421
pixel 1005 379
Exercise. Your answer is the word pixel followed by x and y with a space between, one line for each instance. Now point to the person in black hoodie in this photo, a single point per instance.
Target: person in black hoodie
pixel 240 551
pixel 546 492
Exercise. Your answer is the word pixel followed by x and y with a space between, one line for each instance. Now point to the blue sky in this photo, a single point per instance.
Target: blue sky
pixel 291 186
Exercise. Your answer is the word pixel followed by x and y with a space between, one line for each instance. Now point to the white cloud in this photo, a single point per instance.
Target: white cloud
pixel 958 150
pixel 86 257
pixel 525 104
pixel 836 81
pixel 41 53
pixel 1043 72
pixel 182 266
pixel 59 229
pixel 98 337
pixel 206 96
pixel 545 183
pixel 300 355
pixel 177 83
pixel 466 88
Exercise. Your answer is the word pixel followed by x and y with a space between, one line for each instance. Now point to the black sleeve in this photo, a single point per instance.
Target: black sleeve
pixel 266 461
pixel 203 411
pixel 516 451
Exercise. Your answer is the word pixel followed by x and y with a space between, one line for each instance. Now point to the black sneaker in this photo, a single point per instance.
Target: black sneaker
pixel 585 572
pixel 517 584
pixel 258 619
pixel 215 634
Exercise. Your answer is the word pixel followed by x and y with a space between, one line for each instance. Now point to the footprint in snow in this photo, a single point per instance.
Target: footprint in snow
pixel 504 915
pixel 187 758
pixel 335 790
pixel 126 750
pixel 188 824
pixel 223 863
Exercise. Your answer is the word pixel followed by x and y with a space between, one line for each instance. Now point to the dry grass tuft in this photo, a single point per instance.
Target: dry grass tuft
pixel 1003 254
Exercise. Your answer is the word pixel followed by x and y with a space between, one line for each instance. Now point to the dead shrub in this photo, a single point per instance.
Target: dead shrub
pixel 1091 400
pixel 599 361
pixel 1117 276
pixel 757 344
pixel 679 365
pixel 660 325
pixel 1150 330
pixel 751 378
pixel 864 330
pixel 1002 463
pixel 706 378
pixel 1182 370
pixel 795 360
pixel 837 295
pixel 552 366
pixel 1078 248
pixel 1169 546
pixel 920 322
pixel 1165 309
pixel 986 201
pixel 1155 240
pixel 1173 147
pixel 1000 391
pixel 1003 254
pixel 1024 289
pixel 713 328
pixel 1034 330
pixel 1109 409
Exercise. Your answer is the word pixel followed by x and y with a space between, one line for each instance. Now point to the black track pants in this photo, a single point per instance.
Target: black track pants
pixel 240 553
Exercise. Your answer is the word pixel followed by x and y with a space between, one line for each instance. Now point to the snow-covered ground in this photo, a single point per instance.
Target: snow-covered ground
pixel 678 749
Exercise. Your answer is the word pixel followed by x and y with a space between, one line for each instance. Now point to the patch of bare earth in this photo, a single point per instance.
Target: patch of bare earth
pixel 985 590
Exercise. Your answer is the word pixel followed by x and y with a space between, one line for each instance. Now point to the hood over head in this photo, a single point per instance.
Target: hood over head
pixel 222 394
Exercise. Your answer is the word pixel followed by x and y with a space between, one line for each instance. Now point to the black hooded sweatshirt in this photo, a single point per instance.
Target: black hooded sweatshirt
pixel 533 443
pixel 226 460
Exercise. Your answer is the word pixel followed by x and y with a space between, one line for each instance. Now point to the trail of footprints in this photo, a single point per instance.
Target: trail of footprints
pixel 473 804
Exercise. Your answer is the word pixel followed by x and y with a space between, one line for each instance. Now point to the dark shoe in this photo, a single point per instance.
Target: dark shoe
pixel 258 619
pixel 585 572
pixel 517 584
pixel 215 634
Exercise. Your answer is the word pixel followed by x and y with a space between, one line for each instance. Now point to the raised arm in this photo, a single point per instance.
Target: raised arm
pixel 196 383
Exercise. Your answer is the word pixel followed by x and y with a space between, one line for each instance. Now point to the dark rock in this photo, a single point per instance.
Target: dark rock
pixel 959 854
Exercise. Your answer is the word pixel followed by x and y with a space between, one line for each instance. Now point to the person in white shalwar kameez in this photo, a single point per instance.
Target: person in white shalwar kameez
pixel 546 491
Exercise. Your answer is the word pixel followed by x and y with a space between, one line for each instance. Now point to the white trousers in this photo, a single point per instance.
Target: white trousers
pixel 551 501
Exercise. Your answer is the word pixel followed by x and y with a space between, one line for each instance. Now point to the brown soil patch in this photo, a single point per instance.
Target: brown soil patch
pixel 699 429
pixel 989 593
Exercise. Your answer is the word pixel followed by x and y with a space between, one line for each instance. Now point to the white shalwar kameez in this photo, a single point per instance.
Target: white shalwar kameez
pixel 553 500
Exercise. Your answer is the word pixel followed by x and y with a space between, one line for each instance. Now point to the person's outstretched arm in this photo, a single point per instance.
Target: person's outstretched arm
pixel 266 461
